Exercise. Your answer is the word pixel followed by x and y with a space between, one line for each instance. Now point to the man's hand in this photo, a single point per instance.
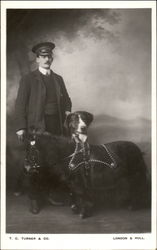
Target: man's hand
pixel 21 134
pixel 65 122
pixel 67 113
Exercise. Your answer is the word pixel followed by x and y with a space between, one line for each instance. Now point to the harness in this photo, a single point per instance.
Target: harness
pixel 82 153
pixel 80 157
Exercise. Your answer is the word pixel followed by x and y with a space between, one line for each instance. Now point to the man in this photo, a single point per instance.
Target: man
pixel 42 102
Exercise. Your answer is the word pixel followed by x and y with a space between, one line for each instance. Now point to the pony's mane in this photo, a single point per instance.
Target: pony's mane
pixel 62 144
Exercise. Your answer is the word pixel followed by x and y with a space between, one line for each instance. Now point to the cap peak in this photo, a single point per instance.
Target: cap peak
pixel 44 48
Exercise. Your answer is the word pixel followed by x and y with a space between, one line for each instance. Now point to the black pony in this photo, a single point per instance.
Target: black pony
pixel 93 171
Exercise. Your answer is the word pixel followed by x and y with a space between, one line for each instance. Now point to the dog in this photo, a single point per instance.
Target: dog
pixel 77 124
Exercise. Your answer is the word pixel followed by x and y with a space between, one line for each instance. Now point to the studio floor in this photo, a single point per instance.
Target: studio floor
pixel 59 220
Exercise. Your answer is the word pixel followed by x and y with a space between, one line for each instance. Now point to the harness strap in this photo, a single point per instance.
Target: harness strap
pixel 86 157
pixel 93 160
pixel 114 163
pixel 81 150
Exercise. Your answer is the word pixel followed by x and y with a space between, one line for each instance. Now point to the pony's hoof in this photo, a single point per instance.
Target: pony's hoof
pixel 74 209
pixel 34 208
pixel 85 214
pixel 82 216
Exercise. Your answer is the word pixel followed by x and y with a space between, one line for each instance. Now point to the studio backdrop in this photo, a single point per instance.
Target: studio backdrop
pixel 104 56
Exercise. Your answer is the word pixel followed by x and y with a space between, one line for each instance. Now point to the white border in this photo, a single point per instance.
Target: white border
pixel 79 241
pixel 77 4
pixel 153 115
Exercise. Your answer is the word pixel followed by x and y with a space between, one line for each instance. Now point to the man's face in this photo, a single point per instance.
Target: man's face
pixel 44 61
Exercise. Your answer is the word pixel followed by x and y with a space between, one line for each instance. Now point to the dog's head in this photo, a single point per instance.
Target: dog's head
pixel 78 122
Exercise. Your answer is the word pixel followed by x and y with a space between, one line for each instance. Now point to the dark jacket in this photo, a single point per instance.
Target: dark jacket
pixel 30 102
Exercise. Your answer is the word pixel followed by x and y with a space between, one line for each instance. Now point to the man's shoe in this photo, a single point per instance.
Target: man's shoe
pixel 17 193
pixel 34 209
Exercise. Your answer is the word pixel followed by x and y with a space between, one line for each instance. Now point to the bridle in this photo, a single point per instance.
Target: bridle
pixel 32 158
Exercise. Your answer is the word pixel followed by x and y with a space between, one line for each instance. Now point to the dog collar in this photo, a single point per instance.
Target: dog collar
pixel 79 137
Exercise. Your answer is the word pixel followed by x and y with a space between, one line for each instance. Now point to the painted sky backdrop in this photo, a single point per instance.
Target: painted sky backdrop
pixel 103 55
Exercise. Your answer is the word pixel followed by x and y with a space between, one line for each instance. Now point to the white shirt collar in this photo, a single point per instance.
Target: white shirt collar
pixel 45 71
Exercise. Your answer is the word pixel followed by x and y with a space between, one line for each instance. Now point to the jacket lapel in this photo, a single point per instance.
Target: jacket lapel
pixel 40 100
pixel 57 87
pixel 58 94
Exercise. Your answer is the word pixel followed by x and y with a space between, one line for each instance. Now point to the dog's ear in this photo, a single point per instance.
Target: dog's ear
pixel 86 116
pixel 89 118
pixel 66 122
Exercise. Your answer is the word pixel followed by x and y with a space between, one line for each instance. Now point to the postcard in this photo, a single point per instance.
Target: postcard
pixel 78 125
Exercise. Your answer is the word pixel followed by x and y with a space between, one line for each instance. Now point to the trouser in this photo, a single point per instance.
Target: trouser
pixel 52 124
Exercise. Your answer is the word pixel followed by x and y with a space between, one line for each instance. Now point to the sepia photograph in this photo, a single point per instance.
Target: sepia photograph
pixel 78 124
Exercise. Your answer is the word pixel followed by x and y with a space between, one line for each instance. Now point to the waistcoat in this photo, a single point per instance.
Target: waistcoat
pixel 51 107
